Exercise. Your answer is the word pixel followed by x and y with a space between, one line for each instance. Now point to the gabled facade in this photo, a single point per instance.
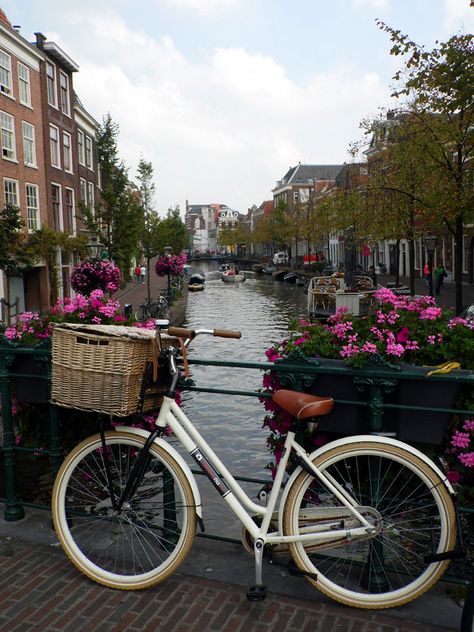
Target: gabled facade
pixel 297 184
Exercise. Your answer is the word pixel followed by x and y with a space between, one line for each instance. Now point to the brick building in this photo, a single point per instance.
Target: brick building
pixel 48 160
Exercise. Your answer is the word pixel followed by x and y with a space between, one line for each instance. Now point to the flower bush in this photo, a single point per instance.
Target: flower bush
pixel 170 264
pixel 89 275
pixel 30 328
pixel 398 329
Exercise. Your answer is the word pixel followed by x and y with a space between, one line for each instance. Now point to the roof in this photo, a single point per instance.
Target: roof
pixel 4 19
pixel 306 174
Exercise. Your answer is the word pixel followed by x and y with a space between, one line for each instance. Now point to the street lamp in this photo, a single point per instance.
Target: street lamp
pixel 167 252
pixel 94 247
pixel 430 242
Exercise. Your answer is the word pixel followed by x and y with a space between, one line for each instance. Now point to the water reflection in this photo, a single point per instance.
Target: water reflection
pixel 262 310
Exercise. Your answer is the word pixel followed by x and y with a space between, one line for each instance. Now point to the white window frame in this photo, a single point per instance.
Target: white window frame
pixel 99 177
pixel 56 185
pixel 7 131
pixel 72 224
pixel 90 195
pixel 29 144
pixel 83 190
pixel 81 150
pixel 55 147
pixel 13 196
pixel 24 84
pixel 67 152
pixel 32 209
pixel 51 85
pixel 6 73
pixel 64 101
pixel 89 157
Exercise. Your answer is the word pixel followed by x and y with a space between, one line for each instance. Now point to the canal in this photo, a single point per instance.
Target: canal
pixel 262 310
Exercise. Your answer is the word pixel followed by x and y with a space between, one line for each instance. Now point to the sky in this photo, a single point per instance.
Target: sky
pixel 224 96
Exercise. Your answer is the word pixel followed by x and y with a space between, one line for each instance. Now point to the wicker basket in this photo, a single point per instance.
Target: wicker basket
pixel 101 368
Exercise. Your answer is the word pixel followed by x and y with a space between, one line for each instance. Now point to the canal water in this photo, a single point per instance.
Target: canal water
pixel 262 310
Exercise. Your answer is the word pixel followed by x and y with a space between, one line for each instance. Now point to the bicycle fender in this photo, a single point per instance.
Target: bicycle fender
pixel 356 439
pixel 176 456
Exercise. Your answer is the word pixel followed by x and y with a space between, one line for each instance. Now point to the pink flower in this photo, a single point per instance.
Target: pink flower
pixel 467 459
pixel 403 335
pixel 460 439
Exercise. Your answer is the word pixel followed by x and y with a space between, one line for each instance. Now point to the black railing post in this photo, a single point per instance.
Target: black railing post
pixel 13 507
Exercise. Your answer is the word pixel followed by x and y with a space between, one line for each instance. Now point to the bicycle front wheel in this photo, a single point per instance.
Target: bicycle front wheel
pixel 143 543
pixel 396 492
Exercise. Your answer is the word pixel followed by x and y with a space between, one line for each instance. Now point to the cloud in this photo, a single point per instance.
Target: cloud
pixel 222 129
pixel 458 16
pixel 371 4
pixel 203 6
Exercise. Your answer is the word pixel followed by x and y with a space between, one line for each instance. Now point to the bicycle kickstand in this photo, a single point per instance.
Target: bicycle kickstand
pixel 258 591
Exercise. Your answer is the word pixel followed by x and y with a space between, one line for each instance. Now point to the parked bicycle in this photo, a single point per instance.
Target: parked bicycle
pixel 153 309
pixel 368 520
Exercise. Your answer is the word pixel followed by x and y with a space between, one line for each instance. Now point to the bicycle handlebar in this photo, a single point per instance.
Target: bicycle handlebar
pixel 181 332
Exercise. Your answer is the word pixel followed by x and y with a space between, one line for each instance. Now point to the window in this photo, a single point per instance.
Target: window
pixel 82 190
pixel 51 84
pixel 90 195
pixel 24 84
pixel 88 152
pixel 69 210
pixel 5 73
pixel 29 149
pixel 64 92
pixel 56 204
pixel 7 129
pixel 80 147
pixel 10 192
pixel 99 177
pixel 67 152
pixel 32 207
pixel 54 144
pixel 296 197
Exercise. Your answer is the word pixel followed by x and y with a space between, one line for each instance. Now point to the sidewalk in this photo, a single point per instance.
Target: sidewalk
pixel 40 589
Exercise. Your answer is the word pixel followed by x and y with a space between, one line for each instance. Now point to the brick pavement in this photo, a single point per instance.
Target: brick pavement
pixel 41 590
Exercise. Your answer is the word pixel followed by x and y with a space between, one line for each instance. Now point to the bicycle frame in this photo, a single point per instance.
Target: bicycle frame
pixel 171 415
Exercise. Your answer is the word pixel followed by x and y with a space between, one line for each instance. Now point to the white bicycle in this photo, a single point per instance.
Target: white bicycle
pixel 368 520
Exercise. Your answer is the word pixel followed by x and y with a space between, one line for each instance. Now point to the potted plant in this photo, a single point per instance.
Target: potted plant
pixel 394 349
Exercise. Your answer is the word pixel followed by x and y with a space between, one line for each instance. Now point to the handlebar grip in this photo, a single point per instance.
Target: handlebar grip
pixel 181 332
pixel 225 333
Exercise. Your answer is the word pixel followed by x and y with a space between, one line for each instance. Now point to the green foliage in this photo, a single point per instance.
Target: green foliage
pixel 172 232
pixel 11 237
pixel 117 217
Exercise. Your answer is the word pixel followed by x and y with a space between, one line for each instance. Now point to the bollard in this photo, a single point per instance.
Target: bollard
pixel 127 310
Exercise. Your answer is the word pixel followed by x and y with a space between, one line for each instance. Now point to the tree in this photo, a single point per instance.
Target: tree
pixel 117 217
pixel 150 229
pixel 172 232
pixel 437 86
pixel 11 237
pixel 44 246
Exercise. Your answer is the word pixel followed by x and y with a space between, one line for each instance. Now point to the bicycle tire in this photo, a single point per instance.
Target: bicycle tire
pixel 467 619
pixel 141 314
pixel 417 514
pixel 149 539
pixel 159 309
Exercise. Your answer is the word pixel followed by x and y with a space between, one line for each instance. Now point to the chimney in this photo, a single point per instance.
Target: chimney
pixel 40 40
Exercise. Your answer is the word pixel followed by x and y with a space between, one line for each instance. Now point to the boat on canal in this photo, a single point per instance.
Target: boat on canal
pixel 196 282
pixel 231 276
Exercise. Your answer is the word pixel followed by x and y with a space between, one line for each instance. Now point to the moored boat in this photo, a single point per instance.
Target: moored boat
pixel 196 287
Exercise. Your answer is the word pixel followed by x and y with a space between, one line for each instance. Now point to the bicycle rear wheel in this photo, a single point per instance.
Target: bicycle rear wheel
pixel 159 309
pixel 141 314
pixel 414 517
pixel 148 539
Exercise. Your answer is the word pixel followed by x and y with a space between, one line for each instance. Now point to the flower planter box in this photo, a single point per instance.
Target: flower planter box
pixel 34 388
pixel 417 426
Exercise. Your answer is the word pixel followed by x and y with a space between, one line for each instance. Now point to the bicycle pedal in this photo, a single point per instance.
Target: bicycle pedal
pixel 257 593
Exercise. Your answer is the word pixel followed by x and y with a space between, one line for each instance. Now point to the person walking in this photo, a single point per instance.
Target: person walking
pixel 427 274
pixel 143 273
pixel 439 274
pixel 137 273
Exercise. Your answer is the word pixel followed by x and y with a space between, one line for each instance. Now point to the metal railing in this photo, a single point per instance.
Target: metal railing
pixel 298 373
